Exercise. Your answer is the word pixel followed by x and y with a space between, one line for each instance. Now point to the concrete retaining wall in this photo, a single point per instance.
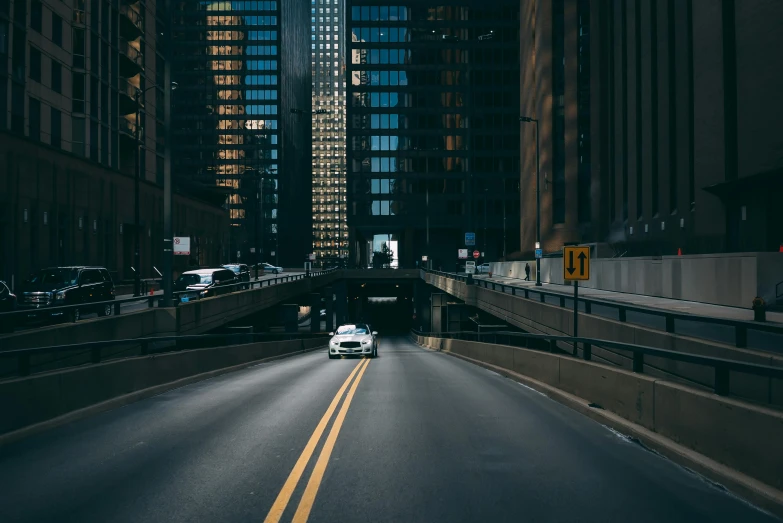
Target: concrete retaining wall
pixel 196 317
pixel 742 436
pixel 724 279
pixel 543 318
pixel 30 400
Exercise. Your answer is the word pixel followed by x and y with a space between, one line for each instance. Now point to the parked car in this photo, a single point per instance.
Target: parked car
pixel 269 268
pixel 241 270
pixel 7 304
pixel 353 339
pixel 483 268
pixel 205 283
pixel 61 286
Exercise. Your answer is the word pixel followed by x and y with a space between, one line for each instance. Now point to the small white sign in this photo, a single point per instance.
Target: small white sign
pixel 423 258
pixel 182 245
pixel 463 254
pixel 311 257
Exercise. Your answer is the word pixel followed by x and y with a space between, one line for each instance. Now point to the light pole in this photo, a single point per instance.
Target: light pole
pixel 527 119
pixel 136 195
pixel 168 229
pixel 136 184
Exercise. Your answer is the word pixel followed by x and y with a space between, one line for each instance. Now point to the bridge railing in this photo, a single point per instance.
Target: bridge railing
pixel 73 313
pixel 721 367
pixel 23 362
pixel 739 328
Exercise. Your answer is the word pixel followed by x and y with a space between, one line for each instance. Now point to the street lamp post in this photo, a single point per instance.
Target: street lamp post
pixel 136 197
pixel 527 119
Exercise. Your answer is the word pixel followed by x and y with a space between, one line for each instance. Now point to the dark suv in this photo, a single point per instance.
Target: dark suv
pixel 60 286
pixel 241 270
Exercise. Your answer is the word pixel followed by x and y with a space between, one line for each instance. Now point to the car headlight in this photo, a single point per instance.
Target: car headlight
pixel 366 342
pixel 60 295
pixel 334 343
pixel 204 293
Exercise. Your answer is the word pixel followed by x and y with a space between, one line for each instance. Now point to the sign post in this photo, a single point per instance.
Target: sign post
pixel 576 268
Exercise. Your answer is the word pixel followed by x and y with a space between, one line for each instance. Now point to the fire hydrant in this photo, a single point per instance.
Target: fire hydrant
pixel 759 309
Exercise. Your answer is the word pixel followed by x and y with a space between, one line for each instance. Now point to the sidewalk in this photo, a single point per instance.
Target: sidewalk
pixel 681 306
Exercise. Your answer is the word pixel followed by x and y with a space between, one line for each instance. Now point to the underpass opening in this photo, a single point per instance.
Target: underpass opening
pixel 386 306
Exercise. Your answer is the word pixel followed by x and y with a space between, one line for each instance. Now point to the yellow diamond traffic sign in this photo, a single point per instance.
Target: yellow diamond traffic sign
pixel 576 263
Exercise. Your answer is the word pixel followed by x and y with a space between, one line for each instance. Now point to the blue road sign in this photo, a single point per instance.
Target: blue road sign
pixel 470 238
pixel 539 253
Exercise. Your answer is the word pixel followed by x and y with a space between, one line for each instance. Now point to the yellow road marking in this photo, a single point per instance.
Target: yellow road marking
pixel 308 498
pixel 278 507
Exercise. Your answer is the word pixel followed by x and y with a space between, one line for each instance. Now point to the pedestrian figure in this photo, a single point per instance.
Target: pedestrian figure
pixel 527 272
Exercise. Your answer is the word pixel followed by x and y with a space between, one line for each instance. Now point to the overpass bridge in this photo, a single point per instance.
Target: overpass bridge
pixel 205 315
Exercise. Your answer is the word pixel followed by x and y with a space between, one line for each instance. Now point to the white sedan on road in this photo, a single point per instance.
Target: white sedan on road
pixel 353 340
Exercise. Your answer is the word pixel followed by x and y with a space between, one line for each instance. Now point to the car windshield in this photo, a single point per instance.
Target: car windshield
pixel 353 329
pixel 234 268
pixel 55 276
pixel 194 279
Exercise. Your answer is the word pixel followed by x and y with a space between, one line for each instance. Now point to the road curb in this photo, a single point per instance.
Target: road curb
pixel 126 399
pixel 751 490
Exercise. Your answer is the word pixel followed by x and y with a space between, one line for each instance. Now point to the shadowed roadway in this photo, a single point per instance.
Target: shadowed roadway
pixel 413 436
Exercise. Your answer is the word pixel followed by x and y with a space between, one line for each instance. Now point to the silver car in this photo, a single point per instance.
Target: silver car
pixel 353 340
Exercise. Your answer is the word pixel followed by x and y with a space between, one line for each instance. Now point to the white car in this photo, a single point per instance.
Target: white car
pixel 483 268
pixel 269 268
pixel 353 340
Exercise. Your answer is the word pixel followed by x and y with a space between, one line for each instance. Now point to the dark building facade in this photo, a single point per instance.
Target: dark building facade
pixel 432 138
pixel 242 119
pixel 80 103
pixel 655 133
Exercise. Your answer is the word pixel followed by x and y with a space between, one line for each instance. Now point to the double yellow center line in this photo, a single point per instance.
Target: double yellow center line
pixel 308 498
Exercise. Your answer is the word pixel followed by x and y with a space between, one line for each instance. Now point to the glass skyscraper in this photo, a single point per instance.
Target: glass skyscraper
pixel 433 130
pixel 330 229
pixel 231 112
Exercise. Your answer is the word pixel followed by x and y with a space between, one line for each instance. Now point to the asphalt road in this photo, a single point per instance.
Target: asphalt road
pixel 415 436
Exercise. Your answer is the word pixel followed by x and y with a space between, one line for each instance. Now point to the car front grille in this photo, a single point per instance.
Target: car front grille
pixel 36 298
pixel 350 345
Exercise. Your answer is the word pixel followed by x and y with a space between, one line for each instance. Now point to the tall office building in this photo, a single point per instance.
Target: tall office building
pixel 328 45
pixel 241 119
pixel 80 114
pixel 433 107
pixel 656 131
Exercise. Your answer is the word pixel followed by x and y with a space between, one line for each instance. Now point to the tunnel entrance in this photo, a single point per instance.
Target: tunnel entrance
pixel 387 307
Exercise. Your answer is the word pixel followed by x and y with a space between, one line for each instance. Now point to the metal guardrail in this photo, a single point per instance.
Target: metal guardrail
pixel 779 293
pixel 146 346
pixel 72 313
pixel 722 367
pixel 741 327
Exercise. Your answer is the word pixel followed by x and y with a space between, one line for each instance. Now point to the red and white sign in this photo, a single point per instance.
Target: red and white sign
pixel 463 254
pixel 476 254
pixel 182 245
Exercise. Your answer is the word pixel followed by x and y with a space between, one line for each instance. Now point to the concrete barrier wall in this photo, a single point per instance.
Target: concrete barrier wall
pixel 149 322
pixel 732 279
pixel 195 317
pixel 742 436
pixel 543 318
pixel 30 400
